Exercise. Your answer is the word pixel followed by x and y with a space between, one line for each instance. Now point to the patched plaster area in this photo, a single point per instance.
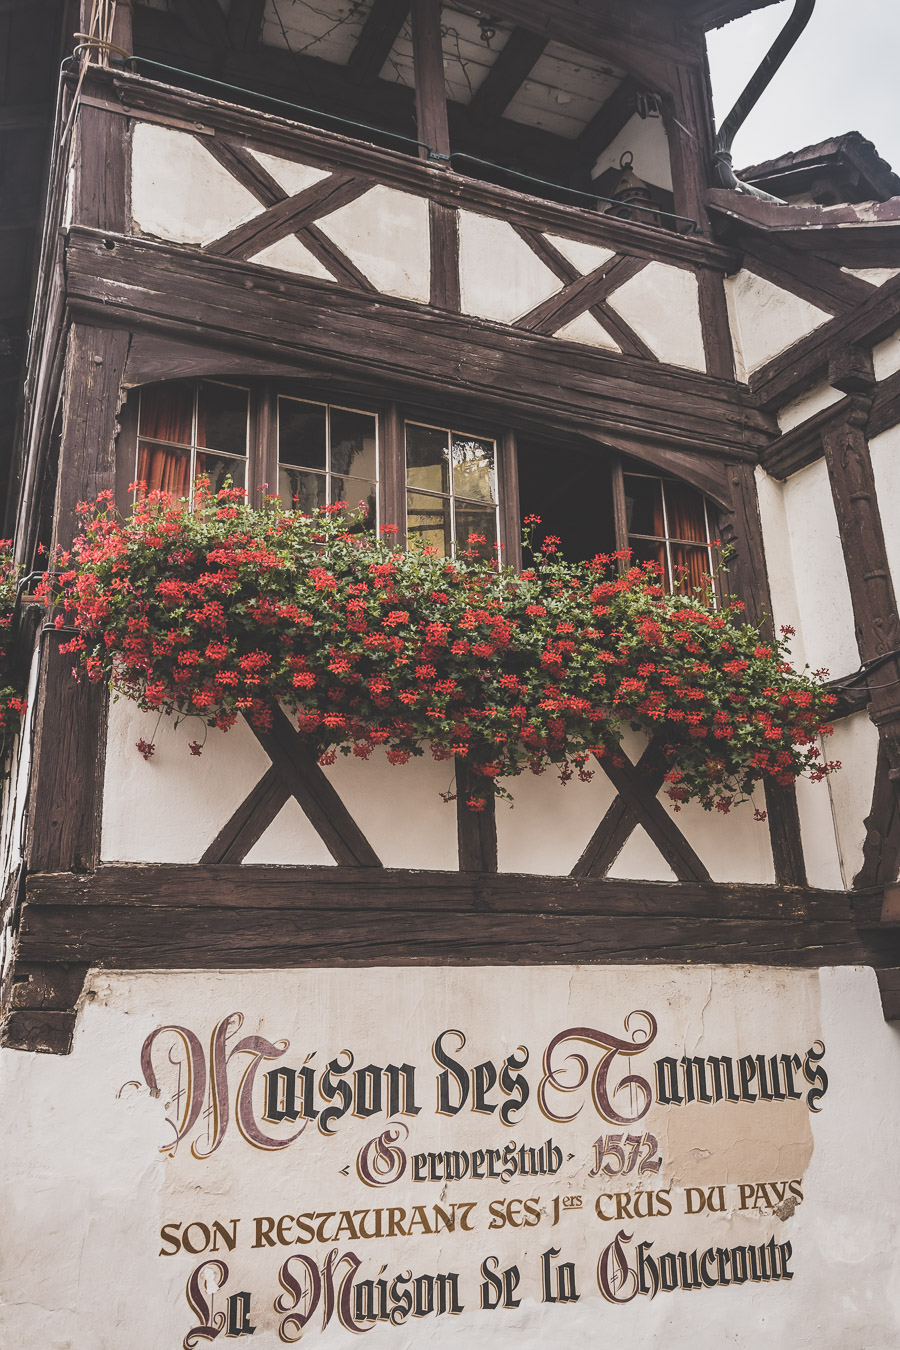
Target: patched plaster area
pixel 179 192
pixel 765 320
pixel 501 278
pixel 662 305
pixel 386 234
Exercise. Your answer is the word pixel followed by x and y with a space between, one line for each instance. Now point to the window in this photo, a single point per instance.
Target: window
pixel 439 484
pixel 327 454
pixel 668 522
pixel 451 490
pixel 186 428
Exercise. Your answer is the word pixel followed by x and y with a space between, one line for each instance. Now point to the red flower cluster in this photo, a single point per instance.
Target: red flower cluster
pixel 12 704
pixel 226 609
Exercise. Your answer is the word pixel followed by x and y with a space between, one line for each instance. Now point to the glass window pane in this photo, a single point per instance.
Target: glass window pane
pixel 354 491
pixel 684 509
pixel 480 522
pixel 222 414
pixel 428 522
pixel 644 550
pixel 353 443
pixel 219 468
pixel 301 491
pixel 643 506
pixel 301 433
pixel 690 568
pixel 473 468
pixel 164 469
pixel 167 411
pixel 427 462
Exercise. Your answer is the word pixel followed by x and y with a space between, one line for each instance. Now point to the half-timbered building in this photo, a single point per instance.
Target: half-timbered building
pixel 317 246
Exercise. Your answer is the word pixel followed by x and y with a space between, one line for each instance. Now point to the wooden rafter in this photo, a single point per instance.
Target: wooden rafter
pixel 611 117
pixel 379 33
pixel 245 19
pixel 506 76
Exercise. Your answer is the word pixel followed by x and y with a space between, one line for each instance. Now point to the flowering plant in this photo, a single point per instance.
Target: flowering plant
pixel 12 704
pixel 225 609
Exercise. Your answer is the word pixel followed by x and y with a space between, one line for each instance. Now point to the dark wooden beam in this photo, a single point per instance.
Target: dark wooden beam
pixel 741 531
pixel 875 616
pixel 614 830
pixel 224 917
pixel 290 215
pixel 876 318
pixel 581 295
pixel 380 31
pixel 634 789
pixel 476 830
pixel 881 848
pixel 819 282
pixel 67 777
pixel 513 65
pixel 250 821
pixel 428 58
pixel 300 772
pixel 155 287
pixel 611 117
pixel 245 20
pixel 444 236
pixel 205 21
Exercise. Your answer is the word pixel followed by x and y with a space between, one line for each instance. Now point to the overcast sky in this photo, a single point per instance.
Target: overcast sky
pixel 843 75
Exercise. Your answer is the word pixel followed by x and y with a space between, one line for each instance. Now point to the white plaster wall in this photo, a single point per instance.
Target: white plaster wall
pixel 550 824
pixel 289 255
pixel 85 1189
pixel 855 744
pixel 877 275
pixel 646 138
pixel 885 452
pixel 385 233
pixel 586 257
pixel 805 564
pixel 500 277
pixel 662 305
pixel 817 831
pixel 804 407
pixel 170 808
pixel 886 356
pixel 399 808
pixel 16 786
pixel 765 320
pixel 179 192
pixel 585 328
pixel 733 847
pixel 290 175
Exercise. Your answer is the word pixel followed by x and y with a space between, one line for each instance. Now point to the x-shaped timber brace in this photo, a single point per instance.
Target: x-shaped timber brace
pixel 297 215
pixel 295 772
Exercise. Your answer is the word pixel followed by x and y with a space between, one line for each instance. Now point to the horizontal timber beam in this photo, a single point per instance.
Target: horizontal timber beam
pixel 137 283
pixel 186 917
pixel 133 95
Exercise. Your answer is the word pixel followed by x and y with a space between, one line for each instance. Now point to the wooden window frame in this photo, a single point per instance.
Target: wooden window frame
pixel 392 416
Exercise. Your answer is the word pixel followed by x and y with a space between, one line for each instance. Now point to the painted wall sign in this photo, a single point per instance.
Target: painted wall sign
pixel 435 1156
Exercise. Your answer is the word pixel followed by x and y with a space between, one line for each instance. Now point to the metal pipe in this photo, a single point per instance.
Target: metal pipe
pixel 758 83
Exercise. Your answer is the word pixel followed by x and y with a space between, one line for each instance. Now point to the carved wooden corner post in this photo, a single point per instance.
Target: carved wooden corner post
pixel 874 601
pixel 742 530
pixel 66 794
